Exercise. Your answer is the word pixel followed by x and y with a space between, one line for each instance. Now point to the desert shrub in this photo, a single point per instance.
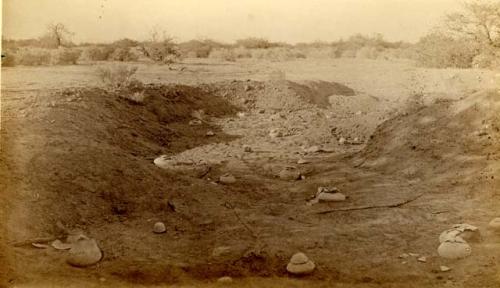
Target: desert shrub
pixel 65 56
pixel 122 54
pixel 119 81
pixel 255 43
pixel 33 57
pixel 198 48
pixel 241 52
pixel 351 53
pixel 487 59
pixel 277 54
pixel 325 52
pixel 116 76
pixel 441 51
pixel 367 52
pixel 164 51
pixel 223 54
pixel 95 53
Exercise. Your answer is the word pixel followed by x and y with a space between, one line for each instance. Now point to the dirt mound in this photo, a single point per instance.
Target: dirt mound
pixel 280 95
pixel 440 138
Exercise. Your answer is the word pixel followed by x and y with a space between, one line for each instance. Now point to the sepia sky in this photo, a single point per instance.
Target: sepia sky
pixel 226 20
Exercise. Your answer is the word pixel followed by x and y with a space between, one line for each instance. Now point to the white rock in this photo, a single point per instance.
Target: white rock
pixel 301 269
pixel 422 259
pixel 164 162
pixel 159 228
pixel 227 179
pixel 57 244
pixel 444 268
pixel 404 256
pixel 456 249
pixel 40 245
pixel 299 258
pixel 303 161
pixel 195 122
pixel 241 114
pixel 448 235
pixel 342 140
pixel 312 149
pixel 225 280
pixel 275 133
pixel 414 254
pixel 494 225
pixel 84 252
pixel 221 251
pixel 210 133
pixel 327 190
pixel 467 232
pixel 331 197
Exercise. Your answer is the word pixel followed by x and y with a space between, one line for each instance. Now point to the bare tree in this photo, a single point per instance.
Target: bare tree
pixel 59 34
pixel 480 21
pixel 160 47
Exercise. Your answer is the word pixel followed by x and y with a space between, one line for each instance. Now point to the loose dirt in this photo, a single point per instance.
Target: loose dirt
pixel 83 158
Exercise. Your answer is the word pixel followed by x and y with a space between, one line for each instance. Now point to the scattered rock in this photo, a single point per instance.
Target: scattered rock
pixel 327 190
pixel 195 122
pixel 331 197
pixel 312 149
pixel 404 256
pixel 289 173
pixel 198 114
pixel 300 265
pixel 84 252
pixel 303 161
pixel 342 140
pixel 444 268
pixel 210 133
pixel 241 114
pixel 275 133
pixel 221 251
pixel 159 228
pixel 422 259
pixel 227 179
pixel 262 111
pixel 467 232
pixel 414 254
pixel 247 148
pixel 454 249
pixel 40 245
pixel 358 113
pixel 494 225
pixel 248 87
pixel 225 280
pixel 59 245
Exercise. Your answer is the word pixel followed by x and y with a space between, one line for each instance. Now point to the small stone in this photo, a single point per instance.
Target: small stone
pixel 358 113
pixel 59 245
pixel 312 149
pixel 84 253
pixel 225 280
pixel 422 259
pixel 275 133
pixel 331 197
pixel 444 268
pixel 494 225
pixel 454 249
pixel 221 251
pixel 40 245
pixel 342 140
pixel 262 111
pixel 227 179
pixel 414 254
pixel 210 133
pixel 404 256
pixel 159 228
pixel 327 190
pixel 248 87
pixel 299 258
pixel 303 161
pixel 241 114
pixel 247 148
pixel 301 269
pixel 195 122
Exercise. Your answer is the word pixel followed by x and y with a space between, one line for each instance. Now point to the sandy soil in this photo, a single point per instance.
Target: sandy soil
pixel 421 153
